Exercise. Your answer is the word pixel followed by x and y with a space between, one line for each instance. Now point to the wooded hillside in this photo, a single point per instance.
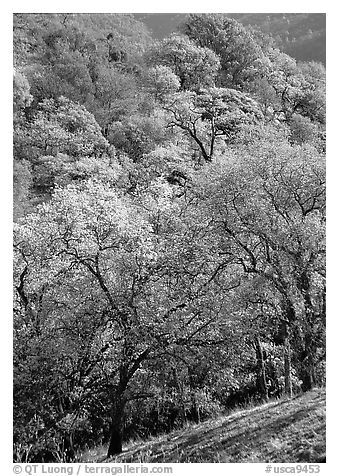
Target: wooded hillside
pixel 169 235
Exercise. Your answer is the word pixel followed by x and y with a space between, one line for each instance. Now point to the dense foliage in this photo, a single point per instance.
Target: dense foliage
pixel 169 242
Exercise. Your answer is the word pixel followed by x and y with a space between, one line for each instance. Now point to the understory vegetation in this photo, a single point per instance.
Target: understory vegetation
pixel 281 431
pixel 169 235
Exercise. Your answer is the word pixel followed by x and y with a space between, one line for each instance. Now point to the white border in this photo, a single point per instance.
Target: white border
pixel 127 6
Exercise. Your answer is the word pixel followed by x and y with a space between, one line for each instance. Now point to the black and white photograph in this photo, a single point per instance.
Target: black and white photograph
pixel 169 191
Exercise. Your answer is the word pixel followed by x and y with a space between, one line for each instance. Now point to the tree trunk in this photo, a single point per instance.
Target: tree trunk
pixel 261 373
pixel 127 369
pixel 308 380
pixel 308 373
pixel 310 346
pixel 194 410
pixel 115 444
pixel 287 361
pixel 180 389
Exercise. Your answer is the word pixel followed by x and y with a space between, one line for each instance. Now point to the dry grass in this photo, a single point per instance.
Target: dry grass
pixel 285 431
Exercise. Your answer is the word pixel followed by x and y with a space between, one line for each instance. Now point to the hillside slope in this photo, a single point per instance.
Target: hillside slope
pixel 301 35
pixel 283 431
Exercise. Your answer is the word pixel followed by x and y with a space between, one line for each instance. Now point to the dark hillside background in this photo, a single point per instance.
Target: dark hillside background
pixel 301 35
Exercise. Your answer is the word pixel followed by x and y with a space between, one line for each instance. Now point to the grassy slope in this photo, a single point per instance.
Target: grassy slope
pixel 286 431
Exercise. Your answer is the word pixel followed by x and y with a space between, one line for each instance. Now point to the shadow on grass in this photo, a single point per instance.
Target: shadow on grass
pixel 239 435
